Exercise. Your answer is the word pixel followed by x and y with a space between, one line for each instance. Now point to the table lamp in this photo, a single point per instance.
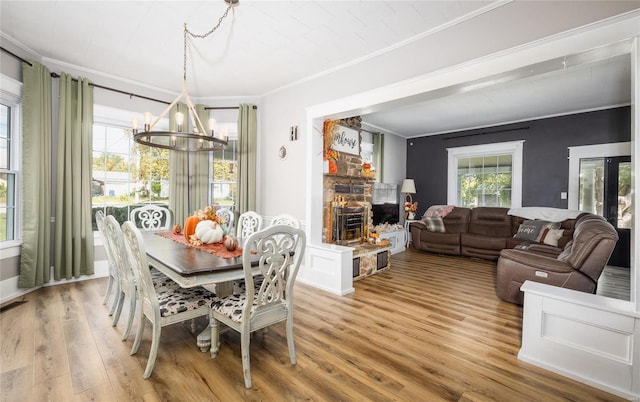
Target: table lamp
pixel 408 188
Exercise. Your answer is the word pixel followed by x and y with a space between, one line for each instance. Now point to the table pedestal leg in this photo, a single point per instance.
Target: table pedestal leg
pixel 204 338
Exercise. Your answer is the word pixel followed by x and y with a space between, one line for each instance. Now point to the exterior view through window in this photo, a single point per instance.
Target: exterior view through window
pixel 126 174
pixel 606 193
pixel 484 181
pixel 7 177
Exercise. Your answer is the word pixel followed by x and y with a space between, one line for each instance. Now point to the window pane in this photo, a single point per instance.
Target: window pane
pixel 624 195
pixel 5 137
pixel 223 188
pixel 7 206
pixel 591 198
pixel 485 181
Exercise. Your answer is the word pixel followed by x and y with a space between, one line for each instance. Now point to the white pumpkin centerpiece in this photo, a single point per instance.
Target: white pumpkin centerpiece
pixel 209 232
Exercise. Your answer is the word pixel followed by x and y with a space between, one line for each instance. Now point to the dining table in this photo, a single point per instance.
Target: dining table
pixel 190 266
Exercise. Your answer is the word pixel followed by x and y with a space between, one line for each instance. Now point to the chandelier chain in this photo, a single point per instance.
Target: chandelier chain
pixel 201 36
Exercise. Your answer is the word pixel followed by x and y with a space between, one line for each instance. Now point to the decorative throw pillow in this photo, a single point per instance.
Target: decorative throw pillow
pixel 532 230
pixel 434 224
pixel 551 236
pixel 438 210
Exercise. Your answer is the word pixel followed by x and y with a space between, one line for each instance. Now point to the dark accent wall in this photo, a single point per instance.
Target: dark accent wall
pixel 545 153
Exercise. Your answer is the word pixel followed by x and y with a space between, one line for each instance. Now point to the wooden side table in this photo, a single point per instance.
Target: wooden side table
pixel 407 223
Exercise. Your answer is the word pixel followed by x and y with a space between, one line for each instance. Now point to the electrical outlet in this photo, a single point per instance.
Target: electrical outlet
pixel 563 195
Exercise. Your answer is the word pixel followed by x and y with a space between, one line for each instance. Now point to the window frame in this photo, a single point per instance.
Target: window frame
pixel 11 95
pixel 513 148
pixel 589 151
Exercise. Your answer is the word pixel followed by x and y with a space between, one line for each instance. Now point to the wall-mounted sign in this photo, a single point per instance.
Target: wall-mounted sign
pixel 346 140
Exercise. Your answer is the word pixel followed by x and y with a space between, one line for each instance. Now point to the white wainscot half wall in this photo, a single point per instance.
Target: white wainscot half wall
pixel 328 267
pixel 590 338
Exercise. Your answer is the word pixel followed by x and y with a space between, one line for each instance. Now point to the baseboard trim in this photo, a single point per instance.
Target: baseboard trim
pixel 585 380
pixel 9 289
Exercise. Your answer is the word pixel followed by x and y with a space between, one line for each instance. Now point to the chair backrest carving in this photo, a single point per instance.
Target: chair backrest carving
pixel 152 217
pixel 285 219
pixel 248 223
pixel 280 250
pixel 227 215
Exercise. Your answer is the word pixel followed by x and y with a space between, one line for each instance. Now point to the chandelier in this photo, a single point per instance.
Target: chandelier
pixel 200 139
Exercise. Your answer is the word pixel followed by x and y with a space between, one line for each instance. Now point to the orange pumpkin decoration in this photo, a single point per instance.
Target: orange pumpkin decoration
pixel 190 226
pixel 333 166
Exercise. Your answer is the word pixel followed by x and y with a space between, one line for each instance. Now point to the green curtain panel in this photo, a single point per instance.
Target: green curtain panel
pixel 73 241
pixel 378 156
pixel 179 192
pixel 247 144
pixel 35 259
pixel 200 163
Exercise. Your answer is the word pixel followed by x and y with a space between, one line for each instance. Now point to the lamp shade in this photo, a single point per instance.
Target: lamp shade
pixel 408 186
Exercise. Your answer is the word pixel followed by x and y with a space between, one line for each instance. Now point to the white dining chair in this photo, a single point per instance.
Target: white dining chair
pixel 126 282
pixel 126 278
pixel 227 215
pixel 248 223
pixel 152 217
pixel 113 270
pixel 285 219
pixel 279 250
pixel 161 307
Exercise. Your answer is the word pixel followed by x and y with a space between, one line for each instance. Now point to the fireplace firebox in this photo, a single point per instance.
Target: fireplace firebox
pixel 348 224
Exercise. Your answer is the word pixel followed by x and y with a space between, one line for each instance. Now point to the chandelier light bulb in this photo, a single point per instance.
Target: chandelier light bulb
pixel 179 121
pixel 134 125
pixel 212 126
pixel 147 121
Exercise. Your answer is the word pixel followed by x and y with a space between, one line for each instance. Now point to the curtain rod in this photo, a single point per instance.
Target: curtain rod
pixel 131 94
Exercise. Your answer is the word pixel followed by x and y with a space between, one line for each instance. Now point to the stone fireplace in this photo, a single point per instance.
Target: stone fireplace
pixel 347 215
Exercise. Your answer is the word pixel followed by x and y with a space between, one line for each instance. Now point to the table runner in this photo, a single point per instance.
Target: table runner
pixel 215 248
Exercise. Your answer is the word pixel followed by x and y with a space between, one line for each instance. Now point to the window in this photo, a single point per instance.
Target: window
pixel 9 160
pixel 125 173
pixel 486 175
pixel 224 172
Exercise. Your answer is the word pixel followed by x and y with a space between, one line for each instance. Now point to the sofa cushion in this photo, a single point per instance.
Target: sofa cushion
pixel 476 241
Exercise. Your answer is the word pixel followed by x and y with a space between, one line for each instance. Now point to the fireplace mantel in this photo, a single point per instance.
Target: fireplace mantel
pixel 350 177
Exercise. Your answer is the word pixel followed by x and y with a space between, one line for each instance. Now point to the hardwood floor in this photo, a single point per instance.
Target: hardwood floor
pixel 431 328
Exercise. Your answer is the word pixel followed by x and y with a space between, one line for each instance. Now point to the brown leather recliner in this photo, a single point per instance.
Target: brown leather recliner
pixel 577 267
pixel 456 222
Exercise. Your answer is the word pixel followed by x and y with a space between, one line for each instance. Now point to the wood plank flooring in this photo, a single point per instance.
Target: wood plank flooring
pixel 429 329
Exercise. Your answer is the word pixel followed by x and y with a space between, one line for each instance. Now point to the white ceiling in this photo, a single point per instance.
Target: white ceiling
pixel 266 45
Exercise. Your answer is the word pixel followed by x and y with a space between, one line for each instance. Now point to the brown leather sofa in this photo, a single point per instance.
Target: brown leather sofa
pixel 485 232
pixel 479 232
pixel 577 267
